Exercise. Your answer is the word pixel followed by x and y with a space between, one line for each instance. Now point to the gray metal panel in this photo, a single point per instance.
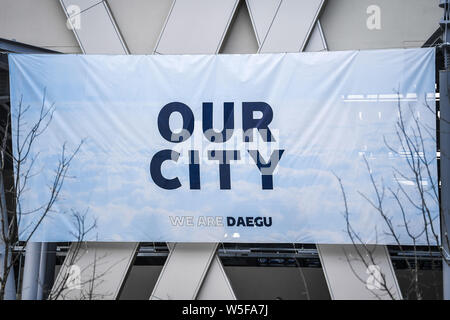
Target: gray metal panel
pixel 97 32
pixel 196 27
pixel 316 41
pixel 104 267
pixel 291 26
pixel 82 4
pixel 403 23
pixel 140 22
pixel 184 271
pixel 262 13
pixel 216 285
pixel 348 277
pixel 40 23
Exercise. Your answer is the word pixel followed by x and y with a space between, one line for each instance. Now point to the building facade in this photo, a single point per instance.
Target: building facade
pixel 215 271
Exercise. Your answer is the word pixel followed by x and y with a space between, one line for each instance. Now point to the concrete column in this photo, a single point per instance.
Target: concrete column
pixel 10 290
pixel 31 271
pixel 42 269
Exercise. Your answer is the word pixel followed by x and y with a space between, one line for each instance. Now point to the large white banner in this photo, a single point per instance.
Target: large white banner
pixel 240 148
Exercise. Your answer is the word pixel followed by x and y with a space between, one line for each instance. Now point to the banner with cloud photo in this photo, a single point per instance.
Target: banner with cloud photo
pixel 296 147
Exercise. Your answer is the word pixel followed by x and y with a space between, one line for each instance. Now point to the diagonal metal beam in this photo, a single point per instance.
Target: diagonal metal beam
pixel 262 13
pixel 193 271
pixel 196 27
pixel 184 271
pixel 283 25
pixel 316 41
pixel 94 27
pixel 349 278
pixel 94 270
pixel 216 285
